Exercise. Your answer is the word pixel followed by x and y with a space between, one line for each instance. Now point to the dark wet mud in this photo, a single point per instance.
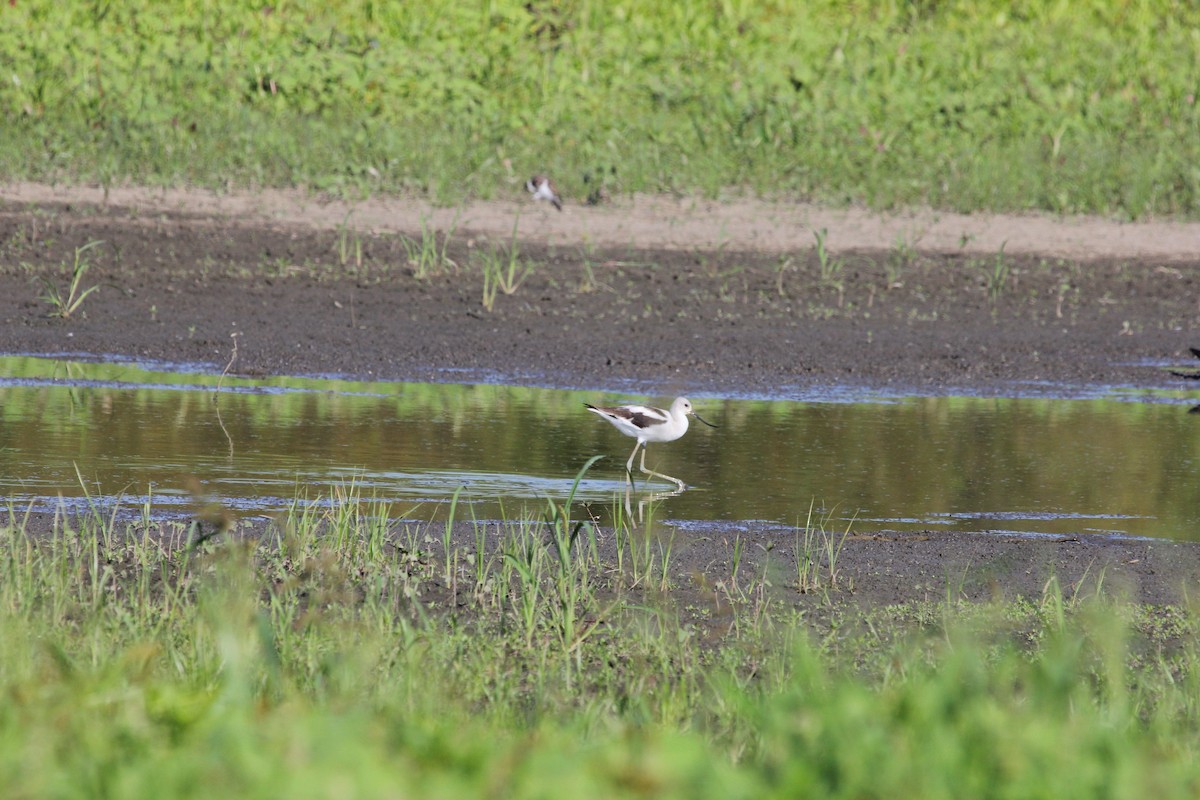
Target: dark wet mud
pixel 302 301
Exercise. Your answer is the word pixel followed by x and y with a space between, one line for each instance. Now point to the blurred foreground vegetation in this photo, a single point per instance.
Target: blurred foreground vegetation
pixel 335 655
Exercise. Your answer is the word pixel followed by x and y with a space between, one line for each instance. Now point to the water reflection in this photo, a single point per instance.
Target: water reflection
pixel 972 464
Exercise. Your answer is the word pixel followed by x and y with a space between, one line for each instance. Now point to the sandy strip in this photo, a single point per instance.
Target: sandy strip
pixel 660 222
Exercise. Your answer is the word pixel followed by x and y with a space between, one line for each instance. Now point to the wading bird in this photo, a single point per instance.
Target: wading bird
pixel 648 424
pixel 1191 376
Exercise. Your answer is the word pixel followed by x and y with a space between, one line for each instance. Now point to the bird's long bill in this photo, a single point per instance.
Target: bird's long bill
pixel 702 419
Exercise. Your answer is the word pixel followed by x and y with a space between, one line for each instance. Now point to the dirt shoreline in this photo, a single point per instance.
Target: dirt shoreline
pixel 657 222
pixel 724 300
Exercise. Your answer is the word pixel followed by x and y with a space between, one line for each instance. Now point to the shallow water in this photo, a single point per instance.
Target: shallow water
pixel 79 432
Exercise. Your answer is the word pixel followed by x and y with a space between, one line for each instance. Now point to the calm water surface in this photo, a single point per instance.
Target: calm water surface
pixel 73 432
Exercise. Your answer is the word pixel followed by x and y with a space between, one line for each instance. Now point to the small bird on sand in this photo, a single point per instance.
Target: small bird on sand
pixel 649 424
pixel 542 189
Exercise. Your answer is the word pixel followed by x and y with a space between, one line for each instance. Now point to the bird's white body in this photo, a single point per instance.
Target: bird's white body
pixel 649 424
pixel 542 189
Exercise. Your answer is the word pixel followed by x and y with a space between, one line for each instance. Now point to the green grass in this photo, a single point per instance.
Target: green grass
pixel 424 256
pixel 342 655
pixel 503 269
pixel 1070 107
pixel 63 303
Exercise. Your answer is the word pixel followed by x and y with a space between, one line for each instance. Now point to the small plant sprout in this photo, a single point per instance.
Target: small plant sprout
pixel 587 255
pixel 898 261
pixel 349 243
pixel 830 267
pixel 503 273
pixel 997 276
pixel 426 257
pixel 64 305
pixel 786 263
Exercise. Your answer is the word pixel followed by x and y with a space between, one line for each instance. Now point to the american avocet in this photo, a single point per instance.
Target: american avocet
pixel 1191 376
pixel 648 424
pixel 542 189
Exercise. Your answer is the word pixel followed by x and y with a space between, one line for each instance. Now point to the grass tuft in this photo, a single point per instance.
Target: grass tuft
pixel 503 272
pixel 64 303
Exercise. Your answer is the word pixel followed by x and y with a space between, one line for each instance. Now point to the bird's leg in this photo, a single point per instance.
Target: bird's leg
pixel 676 481
pixel 629 463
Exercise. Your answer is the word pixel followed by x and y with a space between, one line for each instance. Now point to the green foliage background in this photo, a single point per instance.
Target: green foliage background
pixel 1067 106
